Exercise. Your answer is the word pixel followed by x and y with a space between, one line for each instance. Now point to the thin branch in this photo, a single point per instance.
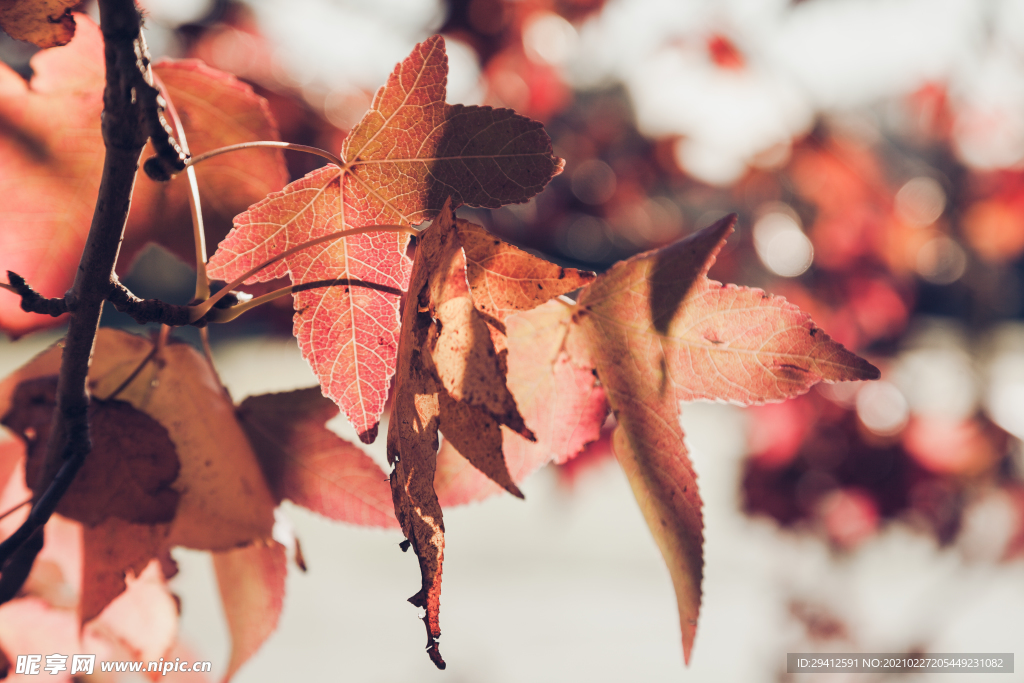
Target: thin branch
pixel 8 287
pixel 267 143
pixel 145 311
pixel 128 109
pixel 32 301
pixel 204 337
pixel 199 310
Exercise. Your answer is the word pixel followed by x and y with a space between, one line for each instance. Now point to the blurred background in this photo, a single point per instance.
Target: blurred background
pixel 874 151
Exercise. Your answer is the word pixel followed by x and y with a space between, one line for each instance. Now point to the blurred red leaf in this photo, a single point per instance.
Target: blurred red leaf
pixel 309 464
pixel 957 447
pixel 53 158
pixel 724 52
pixel 995 229
pixel 251 581
pixel 850 516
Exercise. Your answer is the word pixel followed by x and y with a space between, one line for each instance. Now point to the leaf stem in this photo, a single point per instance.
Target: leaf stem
pixel 198 231
pixel 199 310
pixel 131 377
pixel 223 315
pixel 267 143
pixel 9 288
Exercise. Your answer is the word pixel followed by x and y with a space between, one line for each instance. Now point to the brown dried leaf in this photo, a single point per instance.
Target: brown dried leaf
pixel 505 279
pixel 45 23
pixel 128 473
pixel 450 378
pixel 224 500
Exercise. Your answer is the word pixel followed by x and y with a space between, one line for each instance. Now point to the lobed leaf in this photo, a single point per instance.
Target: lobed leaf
pixel 660 332
pixel 311 465
pixel 224 500
pixel 410 152
pixel 170 464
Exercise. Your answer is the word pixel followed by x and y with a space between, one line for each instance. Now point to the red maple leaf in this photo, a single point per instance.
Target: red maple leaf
pixel 410 152
pixel 660 332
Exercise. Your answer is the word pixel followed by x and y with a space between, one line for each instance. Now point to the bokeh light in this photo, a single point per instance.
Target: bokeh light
pixel 781 245
pixel 882 408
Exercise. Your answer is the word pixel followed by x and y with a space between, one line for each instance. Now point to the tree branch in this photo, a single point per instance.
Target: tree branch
pixel 129 104
pixel 145 311
pixel 32 301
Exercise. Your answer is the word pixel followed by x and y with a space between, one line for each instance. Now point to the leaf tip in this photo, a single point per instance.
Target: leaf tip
pixel 435 656
pixel 689 631
pixel 869 371
pixel 370 435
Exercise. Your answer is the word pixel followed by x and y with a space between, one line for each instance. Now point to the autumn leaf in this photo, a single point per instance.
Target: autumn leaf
pixel 45 23
pixel 660 332
pixel 505 279
pixel 558 395
pixel 52 161
pixel 50 173
pixel 112 551
pixel 449 378
pixel 410 152
pixel 216 110
pixel 216 499
pixel 311 465
pixel 122 493
pixel 129 471
pixel 251 582
pixel 140 625
pixel 224 501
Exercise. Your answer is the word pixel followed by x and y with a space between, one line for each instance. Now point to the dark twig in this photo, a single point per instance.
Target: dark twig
pixel 145 311
pixel 20 564
pixel 34 302
pixel 124 134
pixel 171 157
